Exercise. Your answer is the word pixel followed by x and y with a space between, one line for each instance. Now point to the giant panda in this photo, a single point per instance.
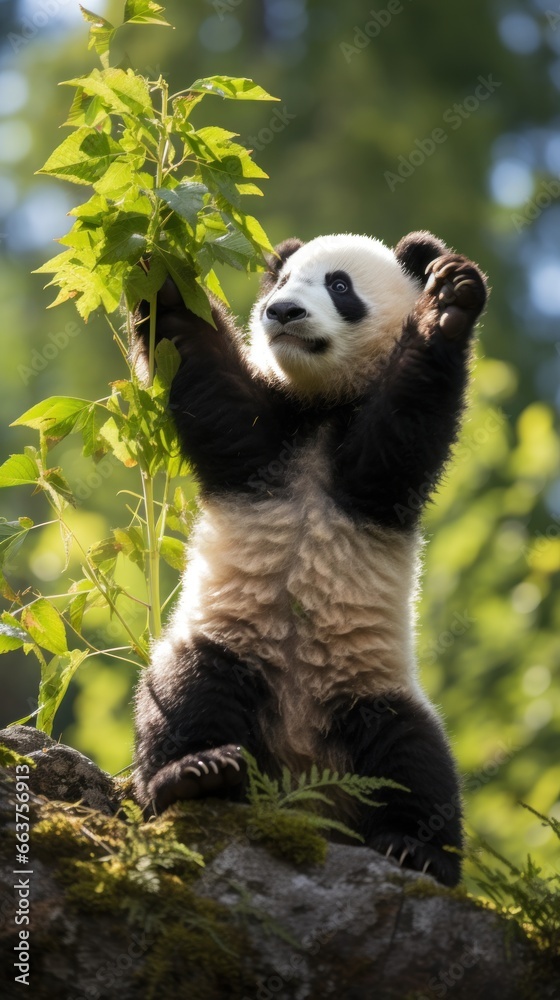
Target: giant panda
pixel 293 636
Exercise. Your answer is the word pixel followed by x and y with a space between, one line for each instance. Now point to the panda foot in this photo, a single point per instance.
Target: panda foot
pixel 211 772
pixel 459 289
pixel 428 859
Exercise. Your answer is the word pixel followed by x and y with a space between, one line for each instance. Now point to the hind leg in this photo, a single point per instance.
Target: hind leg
pixel 196 707
pixel 397 737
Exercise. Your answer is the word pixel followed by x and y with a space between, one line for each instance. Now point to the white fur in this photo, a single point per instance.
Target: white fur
pixel 355 349
pixel 323 605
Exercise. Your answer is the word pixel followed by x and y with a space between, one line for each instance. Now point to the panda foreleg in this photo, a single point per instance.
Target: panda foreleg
pixel 396 737
pixel 194 713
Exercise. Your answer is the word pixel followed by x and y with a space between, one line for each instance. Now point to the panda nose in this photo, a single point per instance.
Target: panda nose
pixel 285 312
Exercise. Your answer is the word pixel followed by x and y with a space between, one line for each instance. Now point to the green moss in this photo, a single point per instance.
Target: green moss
pixel 203 955
pixel 425 888
pixel 74 833
pixel 208 825
pixel 289 836
pixel 9 758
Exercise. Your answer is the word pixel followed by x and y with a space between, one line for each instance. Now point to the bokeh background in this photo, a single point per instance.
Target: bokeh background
pixel 349 148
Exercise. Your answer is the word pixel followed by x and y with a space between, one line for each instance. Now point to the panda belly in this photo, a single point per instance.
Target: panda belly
pixel 321 603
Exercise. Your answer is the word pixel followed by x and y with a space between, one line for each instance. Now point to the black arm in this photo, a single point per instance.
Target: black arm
pixel 229 422
pixel 399 439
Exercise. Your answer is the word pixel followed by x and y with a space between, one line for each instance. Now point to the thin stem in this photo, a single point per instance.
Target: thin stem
pixel 147 479
pixel 153 557
pixel 96 576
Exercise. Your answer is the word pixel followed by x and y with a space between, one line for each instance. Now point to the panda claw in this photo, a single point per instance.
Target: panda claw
pixel 389 851
pixel 232 762
pixel 191 770
pixel 426 867
pixel 203 765
pixel 445 270
pixel 214 766
pixel 403 856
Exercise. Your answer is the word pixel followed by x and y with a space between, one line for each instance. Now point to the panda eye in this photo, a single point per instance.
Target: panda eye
pixel 339 285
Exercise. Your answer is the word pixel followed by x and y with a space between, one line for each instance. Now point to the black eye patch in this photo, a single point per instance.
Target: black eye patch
pixel 346 302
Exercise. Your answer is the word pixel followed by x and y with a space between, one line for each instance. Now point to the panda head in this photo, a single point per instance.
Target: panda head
pixel 332 309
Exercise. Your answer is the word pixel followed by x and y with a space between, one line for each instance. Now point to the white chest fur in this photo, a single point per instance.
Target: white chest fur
pixel 295 583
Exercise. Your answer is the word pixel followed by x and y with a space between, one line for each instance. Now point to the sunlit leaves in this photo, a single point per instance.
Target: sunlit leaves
pixel 19 470
pixel 237 88
pixel 121 91
pixel 187 199
pixel 55 678
pixel 100 34
pixel 45 626
pixel 11 637
pixel 146 205
pixel 165 201
pixel 83 157
pixel 144 12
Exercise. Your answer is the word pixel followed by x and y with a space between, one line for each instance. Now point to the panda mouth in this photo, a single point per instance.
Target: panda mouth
pixel 311 345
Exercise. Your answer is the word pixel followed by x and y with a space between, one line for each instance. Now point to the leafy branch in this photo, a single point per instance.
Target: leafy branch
pixel 166 199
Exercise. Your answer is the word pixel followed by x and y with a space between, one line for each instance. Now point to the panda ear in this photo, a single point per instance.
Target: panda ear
pixel 415 251
pixel 276 261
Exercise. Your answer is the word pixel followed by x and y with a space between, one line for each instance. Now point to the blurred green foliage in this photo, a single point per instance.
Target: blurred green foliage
pixel 488 622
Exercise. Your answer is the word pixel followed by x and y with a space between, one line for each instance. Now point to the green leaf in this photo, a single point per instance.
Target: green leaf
pixel 45 626
pixel 12 534
pixel 12 637
pixel 180 513
pixel 55 417
pixel 174 553
pixel 76 610
pixel 83 157
pixel 168 360
pixel 131 544
pixel 121 91
pixel 19 469
pixel 104 553
pixel 119 446
pixel 145 280
pixel 58 482
pixel 100 34
pixel 237 88
pixel 125 239
pixel 191 292
pixel 55 678
pixel 187 199
pixel 144 12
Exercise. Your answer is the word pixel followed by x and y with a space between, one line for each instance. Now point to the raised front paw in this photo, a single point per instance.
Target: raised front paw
pixel 430 859
pixel 211 772
pixel 459 290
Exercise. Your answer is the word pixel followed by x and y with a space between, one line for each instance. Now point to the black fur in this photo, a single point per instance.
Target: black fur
pixel 396 738
pixel 348 303
pixel 388 447
pixel 415 251
pixel 276 262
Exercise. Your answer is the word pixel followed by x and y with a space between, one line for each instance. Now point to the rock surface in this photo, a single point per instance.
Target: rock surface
pixel 354 928
pixel 61 772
